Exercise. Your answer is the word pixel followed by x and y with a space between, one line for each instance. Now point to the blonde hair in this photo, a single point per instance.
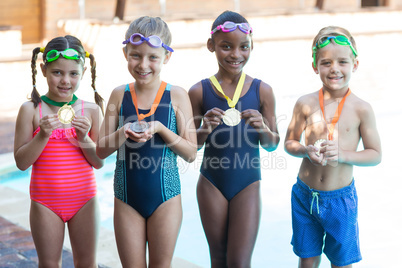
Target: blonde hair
pixel 150 26
pixel 333 31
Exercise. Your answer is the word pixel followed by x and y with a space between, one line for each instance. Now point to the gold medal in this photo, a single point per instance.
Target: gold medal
pixel 232 117
pixel 318 145
pixel 66 114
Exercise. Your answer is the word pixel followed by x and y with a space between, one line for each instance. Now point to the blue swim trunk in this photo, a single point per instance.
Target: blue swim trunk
pixel 325 221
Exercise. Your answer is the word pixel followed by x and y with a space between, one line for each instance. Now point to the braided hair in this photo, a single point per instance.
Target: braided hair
pixel 61 44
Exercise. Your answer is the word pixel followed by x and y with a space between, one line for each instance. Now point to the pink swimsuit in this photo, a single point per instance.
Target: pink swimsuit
pixel 62 179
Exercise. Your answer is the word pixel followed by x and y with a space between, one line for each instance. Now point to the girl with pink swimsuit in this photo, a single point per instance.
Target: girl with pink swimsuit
pixel 55 134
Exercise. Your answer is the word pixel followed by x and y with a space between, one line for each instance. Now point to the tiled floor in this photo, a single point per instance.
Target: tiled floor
pixel 18 250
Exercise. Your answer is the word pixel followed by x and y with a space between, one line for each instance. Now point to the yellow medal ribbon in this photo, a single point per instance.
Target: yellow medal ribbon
pixel 236 96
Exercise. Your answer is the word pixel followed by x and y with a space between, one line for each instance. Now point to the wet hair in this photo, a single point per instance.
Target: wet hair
pixel 333 31
pixel 61 44
pixel 150 26
pixel 228 16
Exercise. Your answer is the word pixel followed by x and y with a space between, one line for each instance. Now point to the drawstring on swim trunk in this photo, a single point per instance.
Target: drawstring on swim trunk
pixel 315 196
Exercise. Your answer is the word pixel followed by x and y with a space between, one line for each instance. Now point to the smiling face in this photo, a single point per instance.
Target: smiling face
pixel 144 62
pixel 232 50
pixel 63 78
pixel 335 64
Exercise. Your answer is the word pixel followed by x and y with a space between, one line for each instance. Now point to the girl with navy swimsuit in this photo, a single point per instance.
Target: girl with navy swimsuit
pixel 149 123
pixel 234 114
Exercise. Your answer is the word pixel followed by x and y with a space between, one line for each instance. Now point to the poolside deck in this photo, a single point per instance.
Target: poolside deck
pixel 16 246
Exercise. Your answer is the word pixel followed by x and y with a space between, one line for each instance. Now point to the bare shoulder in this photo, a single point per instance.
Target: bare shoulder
pixel 266 90
pixel 196 89
pixel 361 106
pixel 196 95
pixel 178 94
pixel 91 108
pixel 27 115
pixel 358 102
pixel 90 105
pixel 28 107
pixel 119 91
pixel 307 102
pixel 117 94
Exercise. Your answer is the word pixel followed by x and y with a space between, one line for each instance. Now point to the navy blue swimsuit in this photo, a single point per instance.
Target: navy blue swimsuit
pixel 231 156
pixel 146 174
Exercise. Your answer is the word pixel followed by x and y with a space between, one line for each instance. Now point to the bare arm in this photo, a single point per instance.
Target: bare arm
pixel 294 132
pixel 185 143
pixel 293 135
pixel 87 143
pixel 210 120
pixel 110 137
pixel 27 149
pixel 264 122
pixel 371 155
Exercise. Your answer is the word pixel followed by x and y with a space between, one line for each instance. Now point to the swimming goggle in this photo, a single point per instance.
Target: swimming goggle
pixel 230 26
pixel 69 53
pixel 152 40
pixel 339 39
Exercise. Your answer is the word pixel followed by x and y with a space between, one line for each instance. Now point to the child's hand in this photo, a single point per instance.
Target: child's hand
pixel 154 127
pixel 253 118
pixel 315 158
pixel 135 136
pixel 48 123
pixel 212 118
pixel 82 126
pixel 332 152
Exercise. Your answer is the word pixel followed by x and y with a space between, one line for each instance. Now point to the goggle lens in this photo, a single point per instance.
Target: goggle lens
pixel 52 55
pixel 154 41
pixel 135 39
pixel 70 54
pixel 228 26
pixel 245 27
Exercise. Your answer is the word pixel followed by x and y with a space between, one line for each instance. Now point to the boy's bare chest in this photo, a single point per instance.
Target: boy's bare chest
pixel 343 126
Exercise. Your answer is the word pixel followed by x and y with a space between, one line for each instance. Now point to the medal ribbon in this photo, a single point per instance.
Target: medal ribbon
pixel 56 103
pixel 158 98
pixel 236 96
pixel 338 112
